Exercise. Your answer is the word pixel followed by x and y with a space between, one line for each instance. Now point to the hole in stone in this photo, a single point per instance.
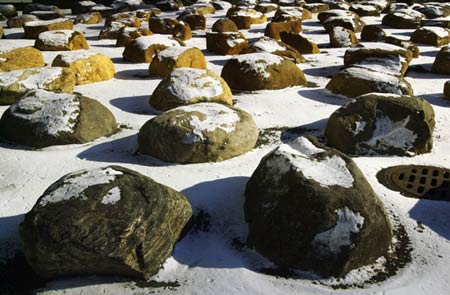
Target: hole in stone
pixel 411 178
pixel 420 189
pixel 424 171
pixel 423 180
pixel 433 182
pixel 435 173
pixel 401 176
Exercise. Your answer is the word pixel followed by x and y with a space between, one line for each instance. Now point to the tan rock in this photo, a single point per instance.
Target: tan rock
pixel 20 58
pixel 162 25
pixel 174 57
pixel 89 18
pixel 291 14
pixel 230 43
pixel 18 21
pixel 88 67
pixel 182 31
pixel 224 25
pixel 300 43
pixel 128 34
pixel 34 28
pixel 269 45
pixel 342 37
pixel 144 48
pixel 111 31
pixel 129 19
pixel 274 29
pixel 435 36
pixel 61 40
pixel 195 21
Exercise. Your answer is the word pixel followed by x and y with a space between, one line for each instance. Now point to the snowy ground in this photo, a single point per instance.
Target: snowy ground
pixel 208 261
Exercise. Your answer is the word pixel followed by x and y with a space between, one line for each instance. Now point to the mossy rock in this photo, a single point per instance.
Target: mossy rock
pixel 20 58
pixel 103 221
pixel 127 35
pixel 300 43
pixel 226 43
pixel 384 124
pixel 310 207
pixel 198 133
pixel 42 118
pixel 61 40
pixel 447 90
pixel 259 71
pixel 441 64
pixel 434 36
pixel 34 28
pixel 175 57
pixel 403 19
pixel 224 25
pixel 415 51
pixel 184 86
pixel 89 18
pixel 8 10
pixel 372 33
pixel 20 20
pixel 342 37
pixel 16 83
pixel 143 49
pixel 274 29
pixel 195 21
pixel 354 81
pixel 88 67
pixel 269 45
pixel 160 25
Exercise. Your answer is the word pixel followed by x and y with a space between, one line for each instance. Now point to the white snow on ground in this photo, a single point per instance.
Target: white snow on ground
pixel 206 263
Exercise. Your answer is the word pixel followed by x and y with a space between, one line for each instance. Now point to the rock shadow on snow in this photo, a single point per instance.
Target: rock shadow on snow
pixel 434 214
pixel 134 104
pixel 436 99
pixel 322 95
pixel 132 74
pixel 323 71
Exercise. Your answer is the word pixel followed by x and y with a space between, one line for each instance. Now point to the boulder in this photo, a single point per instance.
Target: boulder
pixel 365 10
pixel 88 67
pixel 103 221
pixel 82 7
pixel 47 15
pixel 129 19
pixel 20 58
pixel 169 5
pixel 341 18
pixel 266 7
pixel 162 25
pixel 316 7
pixel 1 32
pixel 381 57
pixel 147 13
pixel 291 13
pixel 224 25
pixel 143 48
pixel 245 17
pixel 89 18
pixel 34 28
pixel 18 21
pixel 259 71
pixel 42 118
pixel 404 44
pixel 41 7
pixel 433 10
pixel 14 84
pixel 269 45
pixel 372 33
pixel 112 30
pixel 185 86
pixel 434 36
pixel 198 133
pixel 8 10
pixel 202 8
pixel 342 37
pixel 174 57
pixel 61 40
pixel 309 207
pixel 300 43
pixel 221 5
pixel 182 31
pixel 128 34
pixel 226 43
pixel 403 19
pixel 274 29
pixel 105 11
pixel 441 64
pixel 385 124
pixel 195 21
pixel 447 90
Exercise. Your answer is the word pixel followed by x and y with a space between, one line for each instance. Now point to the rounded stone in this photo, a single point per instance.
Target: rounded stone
pixel 175 57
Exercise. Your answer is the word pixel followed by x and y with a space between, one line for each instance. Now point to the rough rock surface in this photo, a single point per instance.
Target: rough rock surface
pixel 103 221
pixel 403 19
pixel 8 10
pixel 310 207
pixel 202 132
pixel 14 84
pixel 42 118
pixel 20 58
pixel 89 18
pixel 185 86
pixel 415 51
pixel 88 67
pixel 269 45
pixel 175 57
pixel 300 43
pixel 18 21
pixel 224 25
pixel 142 49
pixel 259 71
pixel 226 43
pixel 33 29
pixel 434 36
pixel 274 29
pixel 447 90
pixel 126 35
pixel 342 37
pixel 382 123
pixel 441 64
pixel 61 40
pixel 372 33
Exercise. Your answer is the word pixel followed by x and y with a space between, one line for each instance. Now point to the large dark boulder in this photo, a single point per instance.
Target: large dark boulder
pixel 384 124
pixel 310 207
pixel 103 221
pixel 403 19
pixel 441 64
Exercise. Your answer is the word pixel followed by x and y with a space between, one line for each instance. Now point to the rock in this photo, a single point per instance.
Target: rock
pixel 221 5
pixel 184 86
pixel 143 48
pixel 47 15
pixel 385 124
pixel 258 71
pixel 373 33
pixel 266 7
pixel 403 19
pixel 20 58
pixel 14 84
pixel 89 18
pixel 88 67
pixel 195 21
pixel 202 8
pixel 182 31
pixel 169 5
pixel 355 81
pixel 61 40
pixel 433 10
pixel 364 10
pixel 127 18
pixel 443 23
pixel 19 21
pixel 384 58
pixel 42 118
pixel 447 90
pixel 8 10
pixel 175 57
pixel 103 221
pixel 441 64
pixel 111 31
pixel 341 18
pixel 310 207
pixel 82 7
pixel 41 7
pixel 291 14
pixel 34 28
pixel 226 43
pixel 300 43
pixel 274 29
pixel 1 32
pixel 105 11
pixel 245 17
pixel 404 44
pixel 126 35
pixel 224 25
pixel 434 36
pixel 162 25
pixel 146 14
pixel 316 7
pixel 198 133
pixel 269 45
pixel 342 37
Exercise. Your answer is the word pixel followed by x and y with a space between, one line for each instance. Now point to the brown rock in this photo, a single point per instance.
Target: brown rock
pixel 162 25
pixel 182 31
pixel 300 43
pixel 291 14
pixel 34 28
pixel 447 90
pixel 174 57
pixel 434 36
pixel 274 29
pixel 372 33
pixel 128 34
pixel 129 19
pixel 20 58
pixel 195 21
pixel 342 37
pixel 269 45
pixel 415 51
pixel 403 19
pixel 266 7
pixel 224 25
pixel 59 40
pixel 143 48
pixel 441 64
pixel 111 31
pixel 225 43
pixel 89 18
pixel 316 7
pixel 18 21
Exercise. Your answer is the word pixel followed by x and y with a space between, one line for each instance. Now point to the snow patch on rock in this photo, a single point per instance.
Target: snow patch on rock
pixel 258 62
pixel 112 196
pixel 189 83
